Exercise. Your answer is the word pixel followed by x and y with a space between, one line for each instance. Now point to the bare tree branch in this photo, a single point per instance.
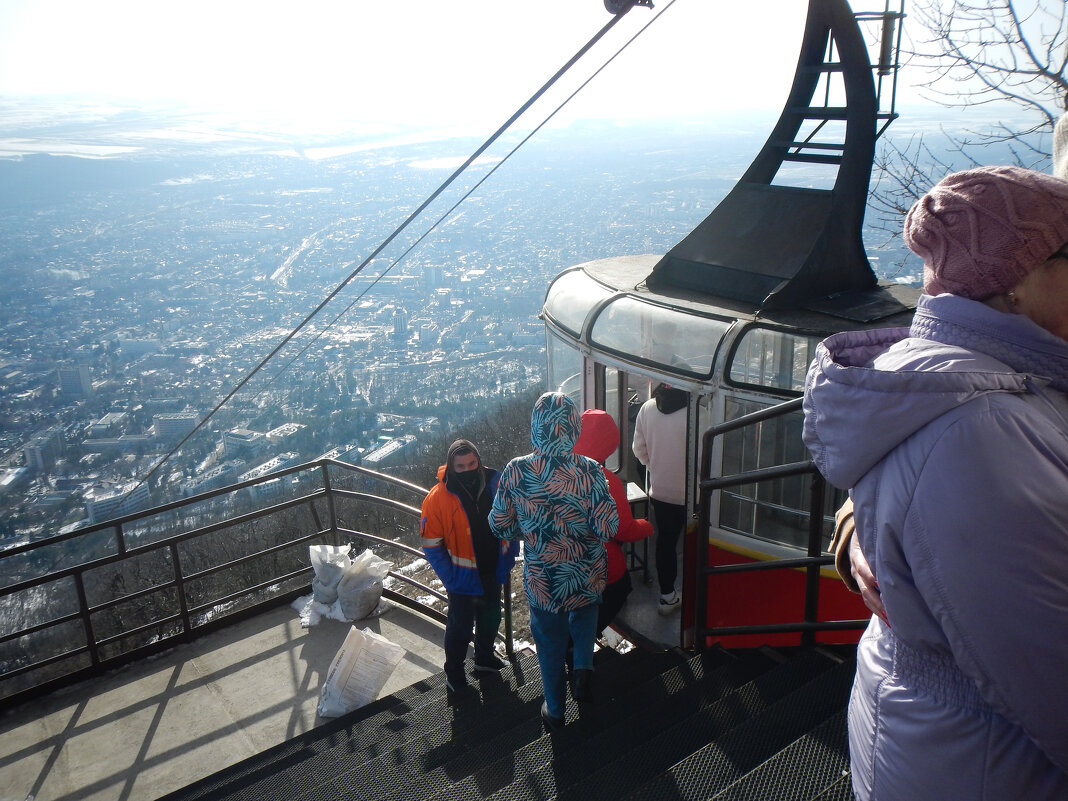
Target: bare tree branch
pixel 1009 54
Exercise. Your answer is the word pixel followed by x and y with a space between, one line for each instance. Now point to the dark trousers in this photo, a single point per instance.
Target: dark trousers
pixel 471 617
pixel 670 520
pixel 612 600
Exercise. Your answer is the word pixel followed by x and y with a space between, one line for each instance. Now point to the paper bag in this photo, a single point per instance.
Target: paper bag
pixel 360 669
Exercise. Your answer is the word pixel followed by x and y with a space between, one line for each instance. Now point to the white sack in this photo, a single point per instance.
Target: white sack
pixel 329 563
pixel 360 588
pixel 360 669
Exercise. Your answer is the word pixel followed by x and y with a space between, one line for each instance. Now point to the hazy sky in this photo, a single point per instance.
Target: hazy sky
pixel 337 62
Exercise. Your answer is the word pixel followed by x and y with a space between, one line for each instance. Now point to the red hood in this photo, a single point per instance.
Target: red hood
pixel 599 436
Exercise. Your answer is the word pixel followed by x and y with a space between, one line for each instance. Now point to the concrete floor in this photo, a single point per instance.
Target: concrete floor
pixel 160 724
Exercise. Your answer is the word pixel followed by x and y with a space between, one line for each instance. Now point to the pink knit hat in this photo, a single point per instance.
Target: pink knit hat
pixel 979 232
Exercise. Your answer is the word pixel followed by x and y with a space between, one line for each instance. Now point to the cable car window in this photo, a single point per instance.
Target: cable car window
pixel 772 359
pixel 570 298
pixel 659 336
pixel 774 510
pixel 565 368
pixel 612 404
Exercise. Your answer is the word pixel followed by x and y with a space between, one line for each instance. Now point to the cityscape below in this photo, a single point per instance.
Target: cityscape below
pixel 148 267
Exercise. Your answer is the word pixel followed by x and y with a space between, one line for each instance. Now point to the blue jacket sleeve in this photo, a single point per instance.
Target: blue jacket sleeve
pixel 439 559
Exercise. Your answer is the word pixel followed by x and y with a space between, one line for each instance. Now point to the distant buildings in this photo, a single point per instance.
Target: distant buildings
pixel 395 452
pixel 172 426
pixel 433 277
pixel 280 462
pixel 75 382
pixel 110 423
pixel 400 326
pixel 13 479
pixel 344 453
pixel 124 443
pixel 284 432
pixel 220 476
pixel 41 452
pixel 104 504
pixel 269 489
pixel 242 442
pixel 132 348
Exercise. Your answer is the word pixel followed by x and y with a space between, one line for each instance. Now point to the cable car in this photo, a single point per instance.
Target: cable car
pixel 732 315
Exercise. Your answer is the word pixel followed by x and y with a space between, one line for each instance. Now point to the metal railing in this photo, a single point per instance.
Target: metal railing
pixel 68 610
pixel 809 624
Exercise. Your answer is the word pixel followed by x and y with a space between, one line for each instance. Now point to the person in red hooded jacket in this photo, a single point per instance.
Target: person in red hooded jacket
pixel 599 439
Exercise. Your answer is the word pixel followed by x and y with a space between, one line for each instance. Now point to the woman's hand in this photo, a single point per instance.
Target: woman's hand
pixel 866 583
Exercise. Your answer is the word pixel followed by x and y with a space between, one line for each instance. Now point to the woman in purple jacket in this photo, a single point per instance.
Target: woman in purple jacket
pixel 953 436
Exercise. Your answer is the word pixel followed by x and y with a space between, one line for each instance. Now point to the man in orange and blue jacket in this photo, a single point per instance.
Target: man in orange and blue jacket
pixel 470 561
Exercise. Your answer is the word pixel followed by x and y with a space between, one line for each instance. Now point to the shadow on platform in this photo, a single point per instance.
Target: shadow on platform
pixel 153 727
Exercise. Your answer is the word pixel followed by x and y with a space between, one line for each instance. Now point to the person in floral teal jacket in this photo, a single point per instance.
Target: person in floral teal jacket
pixel 559 505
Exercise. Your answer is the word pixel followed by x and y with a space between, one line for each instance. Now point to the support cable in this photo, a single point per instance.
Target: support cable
pixel 466 195
pixel 389 239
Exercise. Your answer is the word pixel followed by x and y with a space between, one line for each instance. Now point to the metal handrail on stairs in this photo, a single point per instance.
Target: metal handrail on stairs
pixel 809 624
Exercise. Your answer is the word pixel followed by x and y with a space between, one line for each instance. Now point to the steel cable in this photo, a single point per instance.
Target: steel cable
pixel 389 239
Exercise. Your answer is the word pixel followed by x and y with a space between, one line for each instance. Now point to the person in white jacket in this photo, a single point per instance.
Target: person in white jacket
pixel 660 445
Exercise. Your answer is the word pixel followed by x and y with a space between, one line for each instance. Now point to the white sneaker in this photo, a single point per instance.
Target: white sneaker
pixel 669 603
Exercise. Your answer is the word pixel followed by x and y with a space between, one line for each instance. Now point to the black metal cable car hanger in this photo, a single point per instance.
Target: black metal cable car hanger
pixel 625 6
pixel 465 196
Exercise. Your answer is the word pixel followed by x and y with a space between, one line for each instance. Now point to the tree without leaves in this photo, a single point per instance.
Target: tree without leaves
pixel 1011 54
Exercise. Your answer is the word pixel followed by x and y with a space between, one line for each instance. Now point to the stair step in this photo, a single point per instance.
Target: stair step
pixel 751 710
pixel 821 112
pixel 401 764
pixel 812 158
pixel 799 772
pixel 794 145
pixel 594 735
pixel 373 762
pixel 607 762
pixel 731 754
pixel 841 790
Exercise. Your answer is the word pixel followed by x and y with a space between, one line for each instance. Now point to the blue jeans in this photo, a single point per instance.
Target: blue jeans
pixel 477 614
pixel 550 631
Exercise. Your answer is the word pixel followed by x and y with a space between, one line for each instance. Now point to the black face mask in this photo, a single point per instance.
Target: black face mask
pixel 469 480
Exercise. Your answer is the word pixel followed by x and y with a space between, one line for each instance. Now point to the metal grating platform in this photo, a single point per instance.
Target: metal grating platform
pixel 731 725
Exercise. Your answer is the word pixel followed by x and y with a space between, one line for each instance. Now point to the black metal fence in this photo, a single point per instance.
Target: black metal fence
pixel 84 601
pixel 807 624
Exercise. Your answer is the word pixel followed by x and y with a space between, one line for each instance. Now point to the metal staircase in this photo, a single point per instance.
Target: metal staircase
pixel 759 723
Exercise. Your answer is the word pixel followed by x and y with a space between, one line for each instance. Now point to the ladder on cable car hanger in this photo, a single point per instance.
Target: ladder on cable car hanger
pixel 774 245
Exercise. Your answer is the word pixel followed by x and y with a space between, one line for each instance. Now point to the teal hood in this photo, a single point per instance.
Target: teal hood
pixel 554 424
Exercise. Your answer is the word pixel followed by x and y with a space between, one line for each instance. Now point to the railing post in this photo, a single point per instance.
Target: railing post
pixel 330 501
pixel 87 622
pixel 509 647
pixel 120 539
pixel 704 525
pixel 183 601
pixel 812 572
